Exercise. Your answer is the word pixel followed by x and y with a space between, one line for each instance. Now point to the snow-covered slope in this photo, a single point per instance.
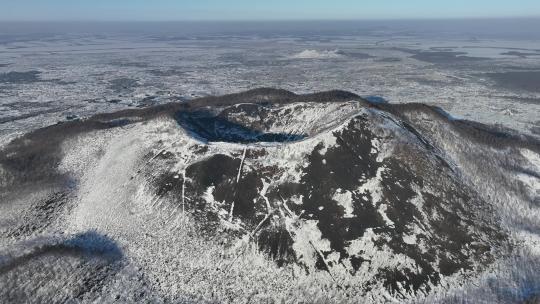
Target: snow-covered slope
pixel 268 196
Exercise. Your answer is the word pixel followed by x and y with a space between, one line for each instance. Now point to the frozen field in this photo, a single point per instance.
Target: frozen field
pixel 48 75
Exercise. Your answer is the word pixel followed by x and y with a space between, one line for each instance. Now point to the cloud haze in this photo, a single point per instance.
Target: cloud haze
pixel 161 10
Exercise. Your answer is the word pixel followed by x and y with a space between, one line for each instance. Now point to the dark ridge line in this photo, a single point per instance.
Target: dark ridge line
pixel 34 156
pixel 490 135
pixel 266 96
pixel 274 96
pixel 260 96
pixel 128 116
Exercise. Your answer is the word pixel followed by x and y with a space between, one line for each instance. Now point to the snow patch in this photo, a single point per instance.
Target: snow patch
pixel 379 257
pixel 382 212
pixel 344 199
pixel 373 186
pixel 315 54
pixel 308 241
pixel 532 157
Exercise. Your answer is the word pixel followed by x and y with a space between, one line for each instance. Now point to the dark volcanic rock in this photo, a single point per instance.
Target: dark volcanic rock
pixel 405 205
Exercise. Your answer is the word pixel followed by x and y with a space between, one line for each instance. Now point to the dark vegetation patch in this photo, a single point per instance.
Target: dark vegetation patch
pixel 523 68
pixel 536 129
pixel 132 64
pixel 375 99
pixel 524 80
pixel 232 57
pixel 388 60
pixel 520 54
pixel 531 297
pixel 123 84
pixel 13 78
pixel 276 241
pixel 429 82
pixel 11 118
pixel 41 215
pixel 443 48
pixel 265 62
pixel 445 57
pixel 487 137
pixel 148 101
pixel 496 135
pixel 167 73
pixel 20 77
pixel 355 54
pixel 492 135
pixel 28 105
pixel 273 96
pixel 524 100
pixel 169 183
pixel 60 82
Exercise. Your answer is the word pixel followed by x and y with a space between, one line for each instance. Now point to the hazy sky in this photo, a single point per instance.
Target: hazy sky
pixel 157 10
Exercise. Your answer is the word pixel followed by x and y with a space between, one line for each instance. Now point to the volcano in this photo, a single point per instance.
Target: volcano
pixel 266 196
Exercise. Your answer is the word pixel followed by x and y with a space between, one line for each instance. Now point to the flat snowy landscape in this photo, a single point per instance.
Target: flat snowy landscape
pixel 488 76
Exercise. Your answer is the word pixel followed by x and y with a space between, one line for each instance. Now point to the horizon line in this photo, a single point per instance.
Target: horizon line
pixel 277 20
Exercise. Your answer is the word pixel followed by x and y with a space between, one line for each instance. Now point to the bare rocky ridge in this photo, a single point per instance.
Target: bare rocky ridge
pixel 357 200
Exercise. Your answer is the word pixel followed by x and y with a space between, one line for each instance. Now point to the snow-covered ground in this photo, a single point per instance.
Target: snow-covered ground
pixel 45 78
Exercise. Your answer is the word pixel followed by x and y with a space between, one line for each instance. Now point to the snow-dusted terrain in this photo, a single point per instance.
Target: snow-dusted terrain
pixel 268 196
pixel 51 72
pixel 128 175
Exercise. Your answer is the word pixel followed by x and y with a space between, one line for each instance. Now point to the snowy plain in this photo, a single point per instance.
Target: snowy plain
pixel 52 71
